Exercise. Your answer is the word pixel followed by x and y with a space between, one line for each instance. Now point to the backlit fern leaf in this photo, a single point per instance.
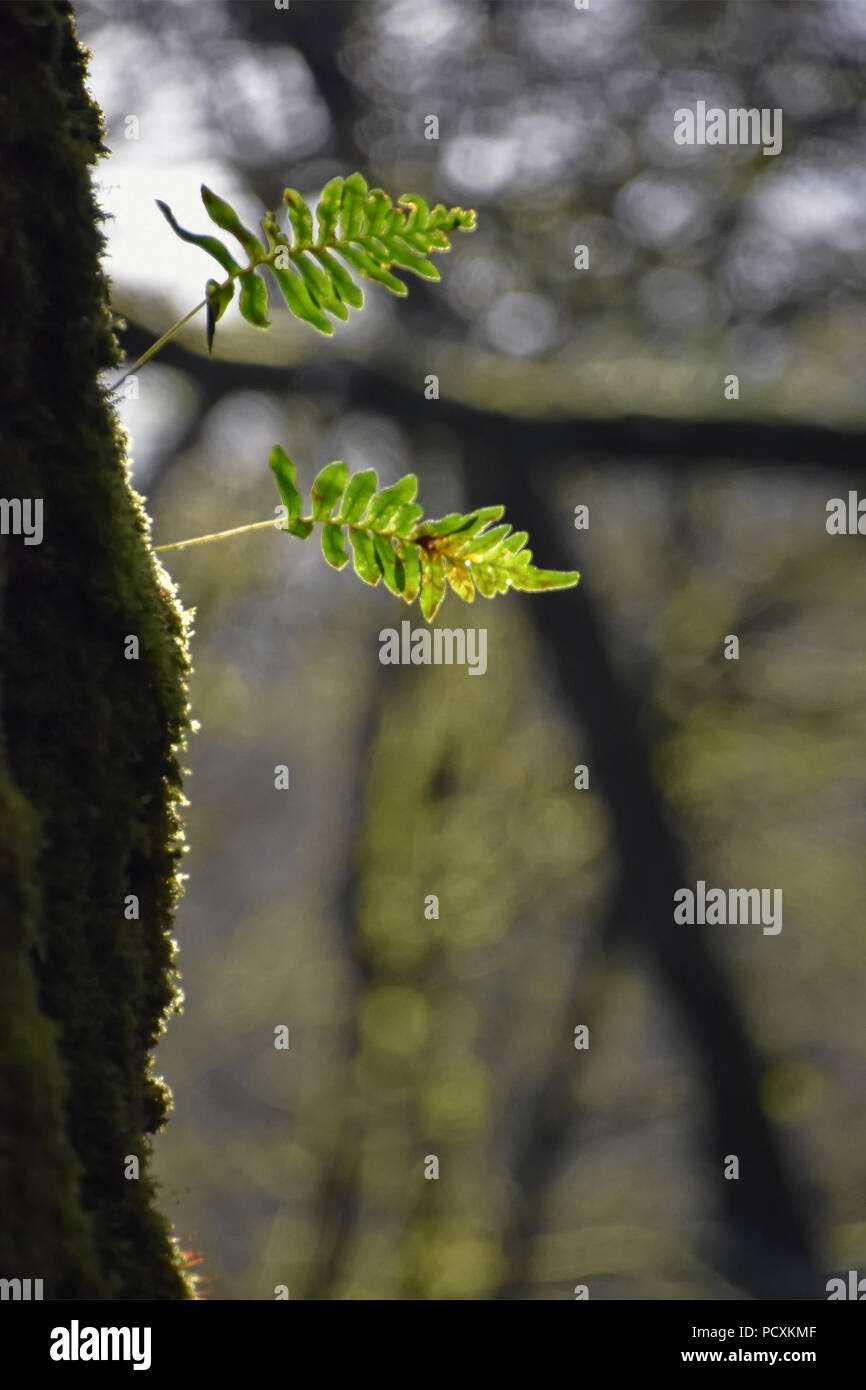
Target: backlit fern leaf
pixel 358 232
pixel 413 558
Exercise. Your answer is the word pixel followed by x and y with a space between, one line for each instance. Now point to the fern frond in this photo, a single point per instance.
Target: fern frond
pixel 358 233
pixel 413 558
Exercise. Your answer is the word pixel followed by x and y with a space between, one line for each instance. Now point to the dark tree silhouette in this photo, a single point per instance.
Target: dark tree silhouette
pixel 89 778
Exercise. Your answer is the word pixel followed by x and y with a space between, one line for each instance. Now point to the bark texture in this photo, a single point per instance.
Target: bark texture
pixel 90 782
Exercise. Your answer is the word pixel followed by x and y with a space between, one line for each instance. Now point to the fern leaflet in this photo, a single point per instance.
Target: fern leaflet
pixel 413 558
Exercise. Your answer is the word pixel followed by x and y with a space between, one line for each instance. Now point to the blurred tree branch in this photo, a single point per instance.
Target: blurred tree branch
pixel 676 443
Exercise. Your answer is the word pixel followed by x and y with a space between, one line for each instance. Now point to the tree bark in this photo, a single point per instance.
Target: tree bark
pixel 89 731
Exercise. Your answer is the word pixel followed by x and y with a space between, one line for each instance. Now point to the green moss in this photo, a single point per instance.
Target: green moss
pixel 90 782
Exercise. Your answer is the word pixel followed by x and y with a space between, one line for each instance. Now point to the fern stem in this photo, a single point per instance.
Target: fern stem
pixel 175 328
pixel 261 525
pixel 160 343
pixel 219 535
pixel 294 253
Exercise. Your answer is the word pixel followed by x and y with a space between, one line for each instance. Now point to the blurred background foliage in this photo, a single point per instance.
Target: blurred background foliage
pixel 455 1037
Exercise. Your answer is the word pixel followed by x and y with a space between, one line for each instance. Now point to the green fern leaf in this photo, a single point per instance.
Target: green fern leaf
pixel 358 494
pixel 300 217
pixel 253 300
pixel 334 545
pixel 219 297
pixel 386 505
pixel 224 216
pixel 432 583
pixel 320 287
pixel 445 527
pixel 357 233
pixel 211 244
pixel 413 559
pixel 328 210
pixel 458 576
pixel 341 281
pixel 364 553
pixel 409 557
pixel 351 220
pixel 387 558
pixel 299 299
pixel 328 489
pixel 284 471
pixel 370 269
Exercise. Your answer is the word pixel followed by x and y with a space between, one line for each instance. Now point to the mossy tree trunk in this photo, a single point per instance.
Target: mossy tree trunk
pixel 89 777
